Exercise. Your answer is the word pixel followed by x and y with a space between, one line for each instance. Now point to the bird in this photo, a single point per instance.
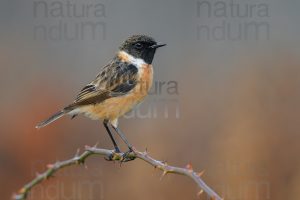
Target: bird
pixel 120 85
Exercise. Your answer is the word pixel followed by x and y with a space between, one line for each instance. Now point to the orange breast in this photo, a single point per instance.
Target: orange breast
pixel 117 106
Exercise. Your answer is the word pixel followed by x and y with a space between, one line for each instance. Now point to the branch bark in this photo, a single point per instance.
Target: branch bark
pixel 80 158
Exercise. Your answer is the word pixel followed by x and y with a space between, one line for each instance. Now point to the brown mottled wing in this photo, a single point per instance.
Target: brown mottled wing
pixel 115 79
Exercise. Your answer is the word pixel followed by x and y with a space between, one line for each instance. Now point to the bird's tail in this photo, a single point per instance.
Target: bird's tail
pixel 51 119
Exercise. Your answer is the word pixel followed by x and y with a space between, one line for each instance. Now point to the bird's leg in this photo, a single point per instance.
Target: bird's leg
pixel 105 123
pixel 119 132
pixel 125 156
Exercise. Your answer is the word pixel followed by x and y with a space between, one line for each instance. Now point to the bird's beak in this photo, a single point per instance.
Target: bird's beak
pixel 155 46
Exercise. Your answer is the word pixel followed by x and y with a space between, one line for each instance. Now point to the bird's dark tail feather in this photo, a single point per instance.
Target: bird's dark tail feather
pixel 51 119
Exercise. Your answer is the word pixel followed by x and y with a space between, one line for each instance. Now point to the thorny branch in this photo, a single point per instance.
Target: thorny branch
pixel 80 159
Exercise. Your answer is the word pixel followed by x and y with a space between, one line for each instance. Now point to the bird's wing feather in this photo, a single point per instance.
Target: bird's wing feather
pixel 115 79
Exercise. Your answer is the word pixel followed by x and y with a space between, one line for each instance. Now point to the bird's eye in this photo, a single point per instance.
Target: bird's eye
pixel 138 45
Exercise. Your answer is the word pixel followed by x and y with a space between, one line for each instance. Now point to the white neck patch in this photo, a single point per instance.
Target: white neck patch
pixel 131 59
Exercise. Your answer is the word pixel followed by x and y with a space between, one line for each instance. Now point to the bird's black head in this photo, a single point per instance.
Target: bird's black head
pixel 141 46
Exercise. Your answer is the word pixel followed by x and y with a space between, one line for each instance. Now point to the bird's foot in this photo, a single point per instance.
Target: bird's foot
pixel 128 156
pixel 112 156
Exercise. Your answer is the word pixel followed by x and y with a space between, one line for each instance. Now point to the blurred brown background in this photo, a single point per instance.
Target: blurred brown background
pixel 235 115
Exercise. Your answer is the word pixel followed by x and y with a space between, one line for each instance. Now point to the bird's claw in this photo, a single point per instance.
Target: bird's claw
pixel 126 157
pixel 111 157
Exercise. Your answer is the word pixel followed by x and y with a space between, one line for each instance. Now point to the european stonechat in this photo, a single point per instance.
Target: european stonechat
pixel 120 85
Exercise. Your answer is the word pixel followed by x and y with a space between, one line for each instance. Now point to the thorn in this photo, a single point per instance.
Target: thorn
pixel 199 193
pixel 201 173
pixel 163 174
pixel 145 152
pixel 22 190
pixel 164 162
pixel 133 149
pixel 50 166
pixel 189 167
pixel 85 166
pixel 95 146
pixel 77 153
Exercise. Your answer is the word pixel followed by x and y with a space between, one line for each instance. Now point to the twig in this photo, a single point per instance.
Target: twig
pixel 80 159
